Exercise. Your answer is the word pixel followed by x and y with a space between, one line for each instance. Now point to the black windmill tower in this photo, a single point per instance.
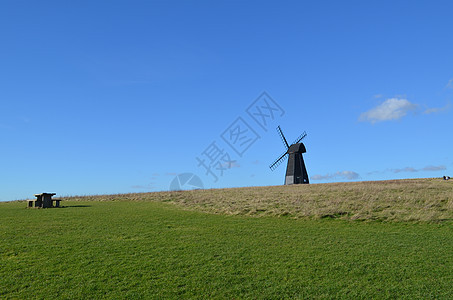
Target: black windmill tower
pixel 295 171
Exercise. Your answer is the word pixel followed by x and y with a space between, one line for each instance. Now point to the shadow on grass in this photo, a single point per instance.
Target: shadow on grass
pixel 68 206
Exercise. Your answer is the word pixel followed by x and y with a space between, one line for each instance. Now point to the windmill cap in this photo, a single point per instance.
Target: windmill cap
pixel 297 148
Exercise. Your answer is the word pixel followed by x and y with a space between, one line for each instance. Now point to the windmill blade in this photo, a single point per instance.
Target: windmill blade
pixel 280 132
pixel 304 134
pixel 278 161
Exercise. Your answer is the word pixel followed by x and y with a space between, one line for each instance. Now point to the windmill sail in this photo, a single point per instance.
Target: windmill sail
pixel 300 138
pixel 279 130
pixel 278 161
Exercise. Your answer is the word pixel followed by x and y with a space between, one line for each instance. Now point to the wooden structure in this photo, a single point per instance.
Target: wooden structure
pixel 44 200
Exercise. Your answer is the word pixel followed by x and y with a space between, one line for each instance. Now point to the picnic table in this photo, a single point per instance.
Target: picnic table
pixel 44 200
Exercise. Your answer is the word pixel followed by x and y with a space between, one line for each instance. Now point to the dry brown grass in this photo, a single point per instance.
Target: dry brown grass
pixel 426 200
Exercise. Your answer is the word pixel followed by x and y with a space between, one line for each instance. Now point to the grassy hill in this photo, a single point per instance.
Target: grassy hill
pixel 393 200
pixel 266 243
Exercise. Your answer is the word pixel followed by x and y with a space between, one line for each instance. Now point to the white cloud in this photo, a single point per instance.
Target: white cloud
pixel 390 109
pixel 230 165
pixel 450 84
pixel 406 169
pixel 437 109
pixel 319 177
pixel 434 168
pixel 413 170
pixel 348 175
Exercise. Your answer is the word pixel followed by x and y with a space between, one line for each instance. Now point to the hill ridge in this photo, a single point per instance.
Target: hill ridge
pixel 426 200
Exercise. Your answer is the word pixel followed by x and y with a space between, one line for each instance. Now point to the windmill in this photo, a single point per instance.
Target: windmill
pixel 295 171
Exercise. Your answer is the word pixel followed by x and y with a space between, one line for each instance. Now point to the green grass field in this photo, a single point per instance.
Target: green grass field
pixel 163 248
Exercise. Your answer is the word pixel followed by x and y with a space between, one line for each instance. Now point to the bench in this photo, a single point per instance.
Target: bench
pixel 33 203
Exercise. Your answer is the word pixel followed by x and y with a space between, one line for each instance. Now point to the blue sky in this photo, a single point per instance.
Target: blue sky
pixel 120 96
